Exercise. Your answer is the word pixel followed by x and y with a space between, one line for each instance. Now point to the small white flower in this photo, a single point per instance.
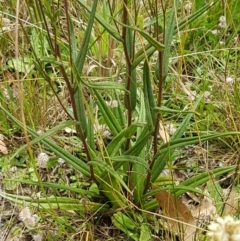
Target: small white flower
pixel 207 96
pixel 120 80
pixel 2 137
pixel 6 29
pixel 193 95
pixel 224 229
pixel 171 129
pixel 222 22
pixel 215 32
pixel 235 40
pixel 112 104
pixel 106 133
pixel 37 237
pixel 188 8
pixel 229 80
pixel 100 128
pixel 40 132
pixel 70 130
pixel 61 161
pixel 221 43
pixel 42 160
pixel 103 131
pixel 5 93
pixel 24 214
pixel 27 218
pixel 13 169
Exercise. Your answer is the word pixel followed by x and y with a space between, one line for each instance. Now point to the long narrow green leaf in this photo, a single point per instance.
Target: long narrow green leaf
pixel 107 114
pixel 115 145
pixel 192 182
pixel 141 142
pixel 167 149
pixel 194 16
pixel 46 134
pixel 168 40
pixel 169 110
pixel 160 163
pixel 90 135
pixel 131 74
pixel 73 42
pixel 133 159
pixel 103 85
pixel 142 54
pixel 149 49
pixel 132 91
pixel 86 39
pixel 75 162
pixel 59 187
pixel 158 46
pixel 105 24
pixel 186 141
pixel 138 174
pixel 110 171
pixel 63 203
pixel 78 67
pixel 202 178
pixel 148 96
pixel 119 111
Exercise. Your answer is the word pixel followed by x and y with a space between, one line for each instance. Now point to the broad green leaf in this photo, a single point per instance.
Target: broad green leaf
pixel 145 232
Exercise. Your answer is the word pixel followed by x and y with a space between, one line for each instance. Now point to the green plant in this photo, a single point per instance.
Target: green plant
pixel 122 167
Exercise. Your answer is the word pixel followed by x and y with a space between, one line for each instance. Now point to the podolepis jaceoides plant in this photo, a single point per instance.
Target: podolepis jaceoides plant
pixel 124 160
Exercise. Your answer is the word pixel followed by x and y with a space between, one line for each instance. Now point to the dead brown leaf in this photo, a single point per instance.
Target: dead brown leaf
pixel 181 220
pixel 3 148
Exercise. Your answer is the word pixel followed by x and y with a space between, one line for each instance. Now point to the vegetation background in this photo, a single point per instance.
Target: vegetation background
pixel 119 119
